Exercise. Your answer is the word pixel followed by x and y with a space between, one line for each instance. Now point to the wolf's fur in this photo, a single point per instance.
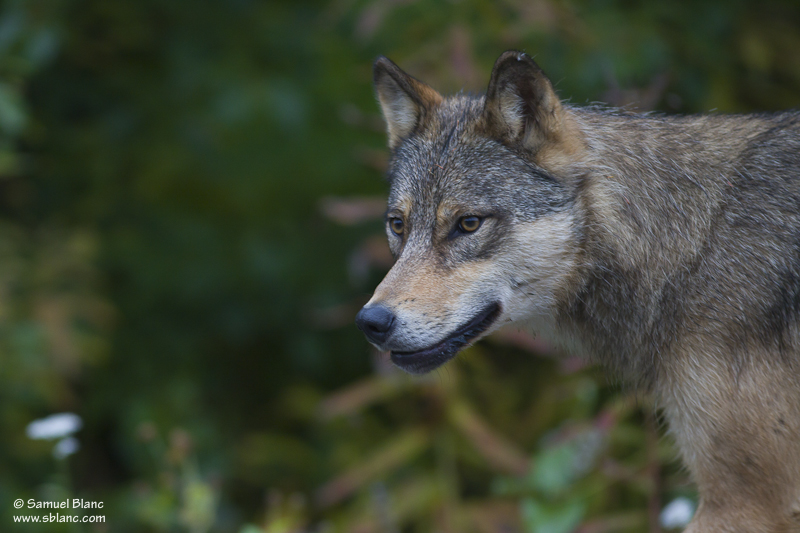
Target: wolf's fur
pixel 668 248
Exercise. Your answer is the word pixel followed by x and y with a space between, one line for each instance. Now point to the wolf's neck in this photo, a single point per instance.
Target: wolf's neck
pixel 649 194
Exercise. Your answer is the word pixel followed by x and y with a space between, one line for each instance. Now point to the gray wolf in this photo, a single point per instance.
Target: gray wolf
pixel 665 247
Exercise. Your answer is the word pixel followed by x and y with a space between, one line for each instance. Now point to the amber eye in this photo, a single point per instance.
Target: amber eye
pixel 397 226
pixel 469 224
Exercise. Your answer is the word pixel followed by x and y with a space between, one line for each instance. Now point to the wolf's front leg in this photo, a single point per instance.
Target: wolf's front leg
pixel 738 429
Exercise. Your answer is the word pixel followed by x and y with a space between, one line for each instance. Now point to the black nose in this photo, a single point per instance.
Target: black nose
pixel 376 322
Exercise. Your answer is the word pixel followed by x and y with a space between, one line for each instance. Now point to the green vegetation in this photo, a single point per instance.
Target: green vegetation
pixel 190 216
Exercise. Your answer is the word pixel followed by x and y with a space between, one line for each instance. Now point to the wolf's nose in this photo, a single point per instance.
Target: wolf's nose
pixel 376 322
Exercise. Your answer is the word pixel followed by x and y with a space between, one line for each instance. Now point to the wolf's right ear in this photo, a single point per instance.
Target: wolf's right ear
pixel 404 100
pixel 522 107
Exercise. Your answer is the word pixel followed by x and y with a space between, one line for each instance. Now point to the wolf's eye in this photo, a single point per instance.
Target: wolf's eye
pixel 469 224
pixel 397 226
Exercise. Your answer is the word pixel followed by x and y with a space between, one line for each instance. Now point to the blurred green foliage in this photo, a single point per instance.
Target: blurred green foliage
pixel 190 204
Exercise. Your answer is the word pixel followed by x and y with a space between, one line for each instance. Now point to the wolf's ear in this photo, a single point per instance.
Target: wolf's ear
pixel 521 106
pixel 404 100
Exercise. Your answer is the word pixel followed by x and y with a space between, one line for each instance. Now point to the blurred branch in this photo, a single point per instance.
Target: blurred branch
pixel 497 450
pixel 495 517
pixel 359 395
pixel 403 447
pixel 613 524
pixel 350 211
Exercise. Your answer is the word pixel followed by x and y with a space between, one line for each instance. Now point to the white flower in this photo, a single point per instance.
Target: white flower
pixel 66 447
pixel 677 513
pixel 54 426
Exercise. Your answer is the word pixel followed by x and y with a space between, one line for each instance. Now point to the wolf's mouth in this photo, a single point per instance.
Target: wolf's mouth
pixel 429 358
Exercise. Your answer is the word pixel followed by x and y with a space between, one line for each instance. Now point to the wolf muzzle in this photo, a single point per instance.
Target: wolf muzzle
pixel 378 323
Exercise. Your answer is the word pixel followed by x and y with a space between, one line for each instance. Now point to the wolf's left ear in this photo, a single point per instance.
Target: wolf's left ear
pixel 521 106
pixel 405 101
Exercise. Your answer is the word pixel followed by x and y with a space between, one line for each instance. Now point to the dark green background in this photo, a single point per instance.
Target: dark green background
pixel 177 264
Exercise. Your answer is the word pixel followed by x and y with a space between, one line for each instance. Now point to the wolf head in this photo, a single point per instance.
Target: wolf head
pixel 480 214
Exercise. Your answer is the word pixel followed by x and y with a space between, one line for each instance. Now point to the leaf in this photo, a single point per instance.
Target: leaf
pixel 554 471
pixel 541 518
pixel 12 111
